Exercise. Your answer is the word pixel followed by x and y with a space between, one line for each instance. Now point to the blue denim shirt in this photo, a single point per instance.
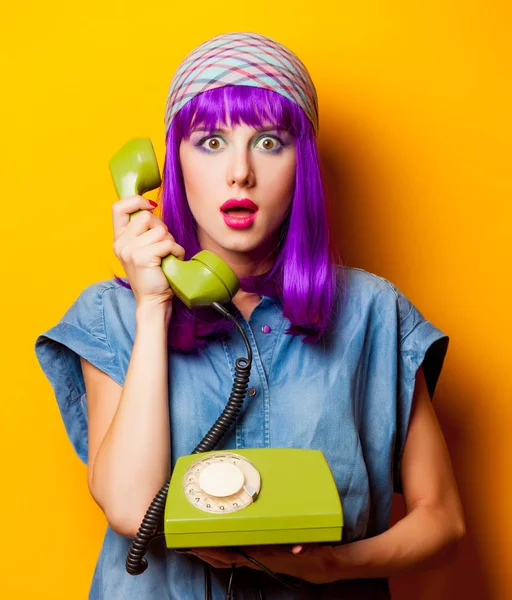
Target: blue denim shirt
pixel 349 396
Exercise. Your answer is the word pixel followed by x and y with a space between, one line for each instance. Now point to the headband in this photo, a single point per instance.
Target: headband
pixel 242 58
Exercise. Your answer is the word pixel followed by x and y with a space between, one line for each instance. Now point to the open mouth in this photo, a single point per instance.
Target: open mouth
pixel 239 213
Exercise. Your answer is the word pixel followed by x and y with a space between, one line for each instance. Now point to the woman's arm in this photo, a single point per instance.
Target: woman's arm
pixel 434 523
pixel 129 434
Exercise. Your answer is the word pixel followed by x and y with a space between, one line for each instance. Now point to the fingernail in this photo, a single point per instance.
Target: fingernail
pixel 153 203
pixel 297 549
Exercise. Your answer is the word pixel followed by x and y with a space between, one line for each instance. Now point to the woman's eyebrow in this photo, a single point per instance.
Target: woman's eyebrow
pixel 226 131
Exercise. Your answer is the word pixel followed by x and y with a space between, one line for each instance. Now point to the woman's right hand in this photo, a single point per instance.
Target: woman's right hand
pixel 140 244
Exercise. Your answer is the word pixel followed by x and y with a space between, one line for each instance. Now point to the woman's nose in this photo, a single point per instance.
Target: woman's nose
pixel 240 170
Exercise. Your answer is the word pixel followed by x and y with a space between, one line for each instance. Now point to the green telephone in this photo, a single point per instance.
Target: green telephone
pixel 252 496
pixel 224 497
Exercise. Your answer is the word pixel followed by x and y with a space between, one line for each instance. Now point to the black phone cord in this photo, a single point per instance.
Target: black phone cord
pixel 135 561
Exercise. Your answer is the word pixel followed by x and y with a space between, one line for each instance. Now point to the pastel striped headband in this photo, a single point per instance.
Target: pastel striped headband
pixel 242 58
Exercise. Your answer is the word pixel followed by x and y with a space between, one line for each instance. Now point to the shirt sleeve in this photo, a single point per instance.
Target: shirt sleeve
pixel 80 332
pixel 420 342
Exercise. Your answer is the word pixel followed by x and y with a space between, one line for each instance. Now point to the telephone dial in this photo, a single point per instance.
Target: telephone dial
pixel 222 497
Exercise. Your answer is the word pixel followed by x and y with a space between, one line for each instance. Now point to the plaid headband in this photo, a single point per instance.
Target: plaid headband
pixel 242 59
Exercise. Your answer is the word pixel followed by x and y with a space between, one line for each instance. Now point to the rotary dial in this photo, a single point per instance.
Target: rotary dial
pixel 222 483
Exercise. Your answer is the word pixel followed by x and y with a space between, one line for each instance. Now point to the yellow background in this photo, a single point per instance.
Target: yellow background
pixel 415 136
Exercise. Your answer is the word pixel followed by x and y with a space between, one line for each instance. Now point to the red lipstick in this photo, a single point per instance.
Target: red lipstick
pixel 242 212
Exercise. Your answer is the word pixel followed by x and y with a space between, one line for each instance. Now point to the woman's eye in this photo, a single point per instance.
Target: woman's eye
pixel 212 143
pixel 269 143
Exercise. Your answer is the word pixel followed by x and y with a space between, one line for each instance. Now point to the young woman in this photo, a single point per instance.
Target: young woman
pixel 342 361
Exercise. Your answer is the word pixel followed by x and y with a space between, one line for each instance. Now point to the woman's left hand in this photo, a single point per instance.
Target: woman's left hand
pixel 310 562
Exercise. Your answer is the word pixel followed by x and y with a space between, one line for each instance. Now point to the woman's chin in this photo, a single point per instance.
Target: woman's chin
pixel 249 245
pixel 225 241
pixel 238 248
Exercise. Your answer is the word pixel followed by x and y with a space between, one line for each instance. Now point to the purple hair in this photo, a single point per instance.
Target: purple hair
pixel 303 276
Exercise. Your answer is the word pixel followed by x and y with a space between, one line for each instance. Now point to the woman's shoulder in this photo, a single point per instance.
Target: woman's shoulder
pixel 365 294
pixel 361 276
pixel 99 306
pixel 105 293
pixel 357 284
pixel 370 300
pixel 110 288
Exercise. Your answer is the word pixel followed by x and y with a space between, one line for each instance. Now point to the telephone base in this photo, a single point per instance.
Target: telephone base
pixel 298 501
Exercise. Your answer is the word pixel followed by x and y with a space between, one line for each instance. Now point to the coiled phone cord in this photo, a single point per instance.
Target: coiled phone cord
pixel 135 561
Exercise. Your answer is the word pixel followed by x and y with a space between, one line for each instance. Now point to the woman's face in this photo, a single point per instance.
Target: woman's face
pixel 239 183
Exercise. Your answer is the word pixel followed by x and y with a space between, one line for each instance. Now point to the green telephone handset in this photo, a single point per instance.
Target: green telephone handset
pixel 227 498
pixel 203 279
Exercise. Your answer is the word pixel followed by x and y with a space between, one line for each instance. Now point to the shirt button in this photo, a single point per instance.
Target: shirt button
pixel 266 329
pixel 252 392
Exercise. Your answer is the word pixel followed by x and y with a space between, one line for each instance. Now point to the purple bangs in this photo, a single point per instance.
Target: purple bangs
pixel 303 277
